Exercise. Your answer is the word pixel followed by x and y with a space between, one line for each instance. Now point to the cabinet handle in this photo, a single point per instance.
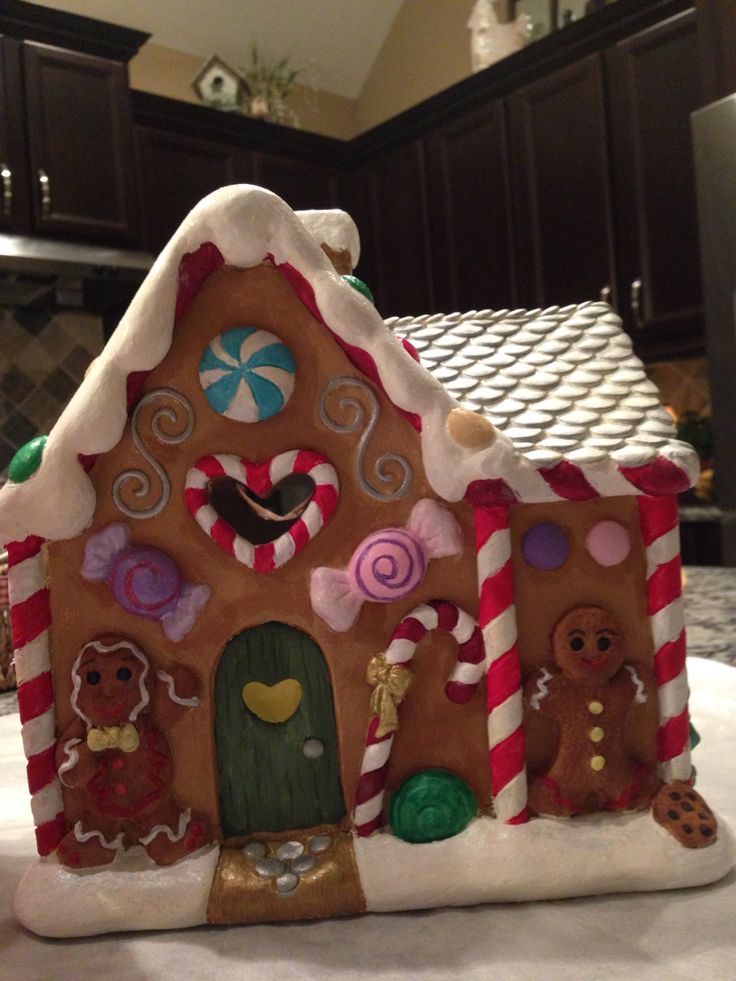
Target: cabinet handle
pixel 7 177
pixel 45 184
pixel 606 294
pixel 636 303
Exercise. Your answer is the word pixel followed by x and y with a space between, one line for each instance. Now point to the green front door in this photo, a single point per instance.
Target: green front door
pixel 276 734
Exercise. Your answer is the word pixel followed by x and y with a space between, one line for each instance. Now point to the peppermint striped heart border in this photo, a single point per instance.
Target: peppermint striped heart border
pixel 261 478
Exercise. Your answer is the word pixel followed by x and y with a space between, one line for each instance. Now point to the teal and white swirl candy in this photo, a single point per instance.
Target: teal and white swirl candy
pixel 247 374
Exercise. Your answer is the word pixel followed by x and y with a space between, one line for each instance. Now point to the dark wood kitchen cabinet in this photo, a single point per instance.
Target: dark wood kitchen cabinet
pixel 13 207
pixel 79 143
pixel 469 212
pixel 561 187
pixel 654 83
pixel 175 172
pixel 303 184
pixel 396 238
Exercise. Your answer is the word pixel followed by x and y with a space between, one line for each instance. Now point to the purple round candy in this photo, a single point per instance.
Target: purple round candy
pixel 388 565
pixel 145 581
pixel 545 546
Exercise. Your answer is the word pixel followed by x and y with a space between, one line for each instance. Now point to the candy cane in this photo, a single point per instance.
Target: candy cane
pixel 30 613
pixel 261 478
pixel 436 615
pixel 660 533
pixel 498 623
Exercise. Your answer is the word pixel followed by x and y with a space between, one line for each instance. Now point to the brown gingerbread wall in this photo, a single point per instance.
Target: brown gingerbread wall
pixel 543 597
pixel 434 732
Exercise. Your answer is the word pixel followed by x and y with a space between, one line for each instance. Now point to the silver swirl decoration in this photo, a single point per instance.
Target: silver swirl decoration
pixel 354 414
pixel 137 482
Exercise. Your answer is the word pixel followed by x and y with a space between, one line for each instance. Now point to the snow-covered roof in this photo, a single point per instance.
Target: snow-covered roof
pixel 248 225
pixel 561 383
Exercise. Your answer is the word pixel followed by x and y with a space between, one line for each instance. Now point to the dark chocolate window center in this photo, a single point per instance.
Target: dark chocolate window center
pixel 261 519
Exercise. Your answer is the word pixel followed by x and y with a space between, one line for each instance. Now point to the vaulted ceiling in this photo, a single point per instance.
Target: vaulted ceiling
pixel 337 40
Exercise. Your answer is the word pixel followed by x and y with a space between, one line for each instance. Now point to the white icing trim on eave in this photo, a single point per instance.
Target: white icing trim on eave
pixel 246 223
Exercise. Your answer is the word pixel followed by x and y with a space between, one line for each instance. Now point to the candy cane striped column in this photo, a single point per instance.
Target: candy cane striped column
pixel 498 624
pixel 30 614
pixel 661 535
pixel 467 673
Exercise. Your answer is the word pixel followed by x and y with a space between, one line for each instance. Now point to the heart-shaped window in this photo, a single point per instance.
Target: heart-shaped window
pixel 262 513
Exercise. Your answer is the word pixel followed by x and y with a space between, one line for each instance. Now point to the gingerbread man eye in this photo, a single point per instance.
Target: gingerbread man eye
pixel 93 677
pixel 124 674
pixel 577 644
pixel 604 643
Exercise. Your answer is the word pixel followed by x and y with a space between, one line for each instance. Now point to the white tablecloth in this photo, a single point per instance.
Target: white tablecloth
pixel 667 936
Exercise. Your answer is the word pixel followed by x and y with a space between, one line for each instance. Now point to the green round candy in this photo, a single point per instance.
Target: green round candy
pixel 694 736
pixel 431 805
pixel 27 460
pixel 360 286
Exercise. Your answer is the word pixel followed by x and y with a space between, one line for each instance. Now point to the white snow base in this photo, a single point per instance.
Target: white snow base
pixel 130 894
pixel 489 862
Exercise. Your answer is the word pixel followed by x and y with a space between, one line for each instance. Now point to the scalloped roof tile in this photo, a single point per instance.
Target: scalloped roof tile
pixel 561 383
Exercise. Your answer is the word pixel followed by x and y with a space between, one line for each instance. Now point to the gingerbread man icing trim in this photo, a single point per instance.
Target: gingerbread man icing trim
pixel 588 692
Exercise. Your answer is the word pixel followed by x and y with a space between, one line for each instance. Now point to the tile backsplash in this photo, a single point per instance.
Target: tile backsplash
pixel 43 357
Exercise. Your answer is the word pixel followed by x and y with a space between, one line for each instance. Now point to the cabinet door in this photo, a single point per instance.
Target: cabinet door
pixel 470 214
pixel 654 85
pixel 560 179
pixel 79 134
pixel 396 241
pixel 13 168
pixel 175 172
pixel 300 183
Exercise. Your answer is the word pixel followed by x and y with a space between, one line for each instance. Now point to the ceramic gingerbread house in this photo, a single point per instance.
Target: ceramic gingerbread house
pixel 317 614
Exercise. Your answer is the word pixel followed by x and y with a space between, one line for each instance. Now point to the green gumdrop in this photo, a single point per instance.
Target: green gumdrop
pixel 360 286
pixel 694 736
pixel 431 805
pixel 27 460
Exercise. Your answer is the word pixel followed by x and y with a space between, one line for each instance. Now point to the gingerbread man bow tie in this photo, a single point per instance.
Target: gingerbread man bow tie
pixel 114 737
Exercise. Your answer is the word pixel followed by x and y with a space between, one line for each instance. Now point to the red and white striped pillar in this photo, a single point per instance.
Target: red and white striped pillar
pixel 498 625
pixel 30 613
pixel 661 535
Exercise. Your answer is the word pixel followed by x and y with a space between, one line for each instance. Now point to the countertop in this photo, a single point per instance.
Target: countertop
pixel 673 935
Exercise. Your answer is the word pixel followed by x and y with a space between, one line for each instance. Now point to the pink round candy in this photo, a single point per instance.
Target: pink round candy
pixel 388 565
pixel 145 581
pixel 608 542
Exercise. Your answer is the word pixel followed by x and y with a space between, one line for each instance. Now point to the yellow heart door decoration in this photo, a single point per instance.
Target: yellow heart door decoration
pixel 273 703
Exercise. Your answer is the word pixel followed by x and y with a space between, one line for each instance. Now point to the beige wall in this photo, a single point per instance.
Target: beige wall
pixel 427 50
pixel 165 71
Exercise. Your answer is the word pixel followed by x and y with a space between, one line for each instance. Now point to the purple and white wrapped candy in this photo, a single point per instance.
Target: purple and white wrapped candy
pixel 387 565
pixel 144 580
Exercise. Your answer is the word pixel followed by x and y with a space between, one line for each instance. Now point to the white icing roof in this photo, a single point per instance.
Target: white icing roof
pixel 248 224
pixel 334 228
pixel 561 383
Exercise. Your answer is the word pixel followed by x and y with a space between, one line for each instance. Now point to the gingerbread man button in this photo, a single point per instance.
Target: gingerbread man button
pixel 588 690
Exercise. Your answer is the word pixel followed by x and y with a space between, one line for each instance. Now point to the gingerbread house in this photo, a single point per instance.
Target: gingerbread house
pixel 288 584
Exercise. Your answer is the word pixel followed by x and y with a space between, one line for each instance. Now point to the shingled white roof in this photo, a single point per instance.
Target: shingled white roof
pixel 561 383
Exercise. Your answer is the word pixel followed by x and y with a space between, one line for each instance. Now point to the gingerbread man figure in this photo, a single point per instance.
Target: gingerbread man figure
pixel 588 692
pixel 116 755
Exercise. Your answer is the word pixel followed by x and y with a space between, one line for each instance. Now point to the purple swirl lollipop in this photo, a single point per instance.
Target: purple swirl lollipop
pixel 144 580
pixel 388 565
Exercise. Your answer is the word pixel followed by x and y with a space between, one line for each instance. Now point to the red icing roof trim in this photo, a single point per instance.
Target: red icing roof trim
pixel 360 358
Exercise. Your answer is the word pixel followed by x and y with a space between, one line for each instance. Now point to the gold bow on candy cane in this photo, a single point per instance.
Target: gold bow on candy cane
pixel 390 683
pixel 114 737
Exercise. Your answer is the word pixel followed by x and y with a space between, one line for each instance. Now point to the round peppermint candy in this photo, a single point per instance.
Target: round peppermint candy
pixel 247 374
